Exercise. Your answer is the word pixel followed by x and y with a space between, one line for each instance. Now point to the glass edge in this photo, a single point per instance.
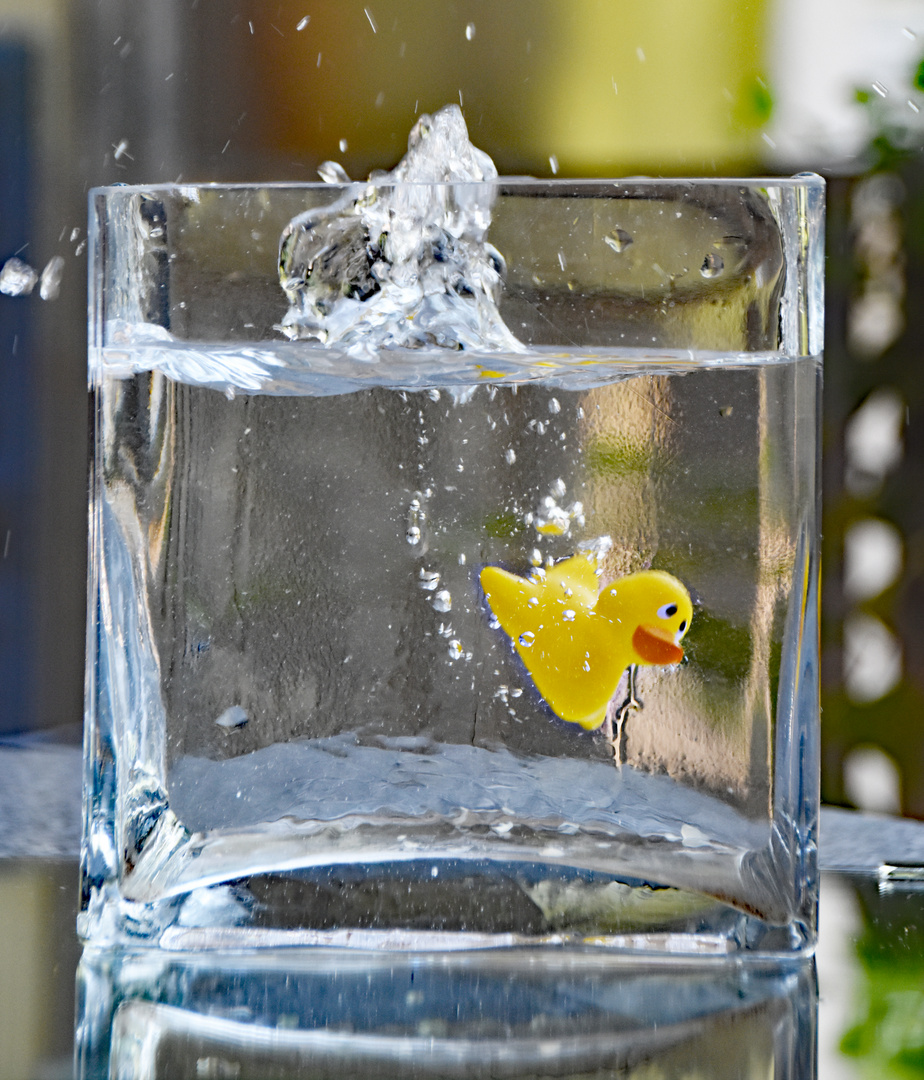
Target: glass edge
pixel 807 181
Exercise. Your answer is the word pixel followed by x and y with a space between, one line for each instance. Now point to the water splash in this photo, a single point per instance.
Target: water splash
pixel 402 262
pixel 17 278
pixel 50 281
pixel 332 172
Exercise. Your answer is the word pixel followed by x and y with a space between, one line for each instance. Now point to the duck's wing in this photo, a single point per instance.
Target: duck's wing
pixel 509 597
pixel 578 575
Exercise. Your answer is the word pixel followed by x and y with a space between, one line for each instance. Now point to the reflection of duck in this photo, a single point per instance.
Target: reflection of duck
pixel 575 643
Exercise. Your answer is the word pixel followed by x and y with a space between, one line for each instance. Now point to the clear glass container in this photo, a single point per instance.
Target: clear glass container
pixel 296 1013
pixel 377 654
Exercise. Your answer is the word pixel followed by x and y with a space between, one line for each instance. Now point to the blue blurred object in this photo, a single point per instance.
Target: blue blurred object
pixel 19 451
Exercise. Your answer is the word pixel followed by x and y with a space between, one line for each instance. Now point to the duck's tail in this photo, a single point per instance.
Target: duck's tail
pixel 509 596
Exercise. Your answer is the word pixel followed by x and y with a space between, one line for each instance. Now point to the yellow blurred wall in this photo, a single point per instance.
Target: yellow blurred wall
pixel 603 86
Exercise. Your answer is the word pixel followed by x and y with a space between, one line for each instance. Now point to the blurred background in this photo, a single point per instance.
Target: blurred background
pixel 143 91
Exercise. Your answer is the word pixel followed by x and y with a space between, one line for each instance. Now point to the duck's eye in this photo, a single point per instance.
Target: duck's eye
pixel 682 626
pixel 667 611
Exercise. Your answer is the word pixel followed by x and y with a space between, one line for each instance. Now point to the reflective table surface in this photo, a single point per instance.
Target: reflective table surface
pixel 856 1012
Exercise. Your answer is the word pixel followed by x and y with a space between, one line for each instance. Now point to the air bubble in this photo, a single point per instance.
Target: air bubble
pixel 510 456
pixel 618 240
pixel 526 639
pixel 569 614
pixel 433 394
pixel 416 517
pixel 303 22
pixel 554 405
pixel 470 31
pixel 429 579
pixel 344 146
pixel 442 601
pixel 455 649
pixel 535 557
pixel 713 265
pixel 559 488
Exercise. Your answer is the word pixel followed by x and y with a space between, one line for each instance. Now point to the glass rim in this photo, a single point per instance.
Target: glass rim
pixel 802 180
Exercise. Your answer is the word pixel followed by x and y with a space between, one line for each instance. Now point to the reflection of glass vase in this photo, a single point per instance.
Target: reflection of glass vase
pixel 307 716
pixel 322 1014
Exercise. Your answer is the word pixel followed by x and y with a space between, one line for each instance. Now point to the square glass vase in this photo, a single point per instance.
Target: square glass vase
pixel 453 575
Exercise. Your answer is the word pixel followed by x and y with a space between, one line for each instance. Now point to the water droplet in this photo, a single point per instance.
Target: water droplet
pixel 881 90
pixel 526 639
pixel 558 488
pixel 75 234
pixel 535 557
pixel 461 558
pixel 303 22
pixel 442 601
pixel 554 405
pixel 516 692
pixel 569 614
pixel 533 601
pixel 17 278
pixel 470 31
pixel 433 394
pixel 553 165
pixel 510 456
pixel 344 145
pixel 455 649
pixel 50 284
pixel 909 33
pixel 332 172
pixel 713 265
pixel 413 534
pixel 618 240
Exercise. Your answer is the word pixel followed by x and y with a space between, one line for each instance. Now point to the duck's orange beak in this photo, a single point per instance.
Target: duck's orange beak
pixel 656 645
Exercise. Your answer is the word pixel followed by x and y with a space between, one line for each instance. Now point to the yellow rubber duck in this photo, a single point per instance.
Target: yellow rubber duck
pixel 577 641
